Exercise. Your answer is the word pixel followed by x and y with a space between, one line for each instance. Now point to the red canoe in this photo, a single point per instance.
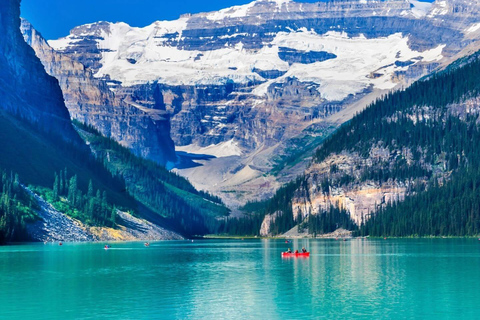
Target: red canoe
pixel 293 254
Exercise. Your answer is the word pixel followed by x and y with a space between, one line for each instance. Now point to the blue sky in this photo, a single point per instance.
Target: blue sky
pixel 55 18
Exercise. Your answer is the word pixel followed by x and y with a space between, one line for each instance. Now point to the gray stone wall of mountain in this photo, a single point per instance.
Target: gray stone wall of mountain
pixel 143 128
pixel 212 114
pixel 25 89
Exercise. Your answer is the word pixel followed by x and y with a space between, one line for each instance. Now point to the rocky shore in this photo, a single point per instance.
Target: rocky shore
pixel 337 234
pixel 54 225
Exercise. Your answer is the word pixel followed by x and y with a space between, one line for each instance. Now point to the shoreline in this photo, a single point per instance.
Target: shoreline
pixel 227 237
pixel 336 238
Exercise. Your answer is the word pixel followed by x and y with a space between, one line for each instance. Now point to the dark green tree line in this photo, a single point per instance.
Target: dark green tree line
pixel 16 209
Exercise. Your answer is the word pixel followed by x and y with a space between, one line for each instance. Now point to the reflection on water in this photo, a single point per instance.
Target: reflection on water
pixel 233 279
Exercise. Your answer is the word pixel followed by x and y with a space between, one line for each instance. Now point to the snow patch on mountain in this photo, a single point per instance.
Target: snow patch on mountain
pixel 243 10
pixel 63 43
pixel 420 8
pixel 473 28
pixel 360 62
pixel 232 12
pixel 440 8
pixel 140 55
pixel 223 149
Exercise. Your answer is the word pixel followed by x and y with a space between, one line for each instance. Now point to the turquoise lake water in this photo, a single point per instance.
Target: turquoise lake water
pixel 235 279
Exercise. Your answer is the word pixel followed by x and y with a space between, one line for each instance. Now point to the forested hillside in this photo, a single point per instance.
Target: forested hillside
pixel 251 223
pixel 436 125
pixel 449 209
pixel 65 173
pixel 37 141
pixel 170 196
pixel 16 209
pixel 421 143
pixel 91 188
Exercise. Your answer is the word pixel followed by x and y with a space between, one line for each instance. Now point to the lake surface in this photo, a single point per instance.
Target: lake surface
pixel 235 279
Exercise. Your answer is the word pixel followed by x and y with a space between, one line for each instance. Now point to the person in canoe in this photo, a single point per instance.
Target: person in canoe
pixel 304 250
pixel 289 250
pixel 296 251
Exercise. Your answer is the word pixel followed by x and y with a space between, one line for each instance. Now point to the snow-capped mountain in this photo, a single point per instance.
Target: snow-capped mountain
pixel 246 78
pixel 265 39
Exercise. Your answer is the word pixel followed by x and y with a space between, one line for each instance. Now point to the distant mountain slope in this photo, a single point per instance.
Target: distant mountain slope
pixel 170 196
pixel 256 76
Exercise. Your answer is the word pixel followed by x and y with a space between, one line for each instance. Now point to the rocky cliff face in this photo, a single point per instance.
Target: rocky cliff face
pixel 267 222
pixel 325 188
pixel 256 75
pixel 25 89
pixel 143 127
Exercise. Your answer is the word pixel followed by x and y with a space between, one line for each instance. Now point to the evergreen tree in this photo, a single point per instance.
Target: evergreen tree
pixel 90 189
pixel 72 190
pixel 55 188
pixel 113 215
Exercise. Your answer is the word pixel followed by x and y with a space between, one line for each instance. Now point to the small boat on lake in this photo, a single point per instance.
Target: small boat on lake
pixel 293 254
